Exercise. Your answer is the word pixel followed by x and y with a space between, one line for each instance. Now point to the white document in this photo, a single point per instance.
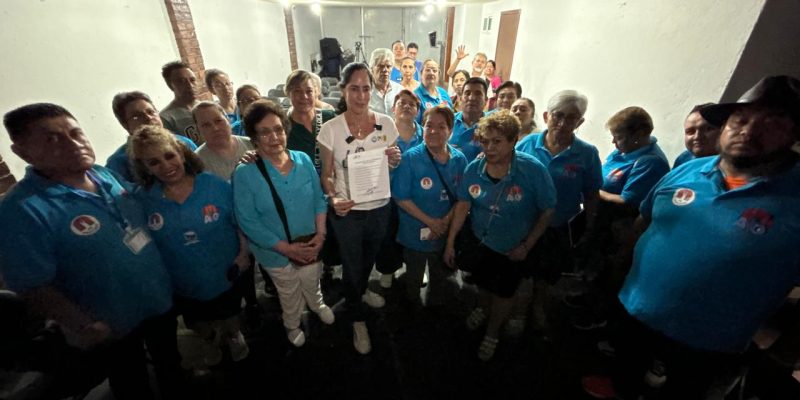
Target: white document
pixel 368 175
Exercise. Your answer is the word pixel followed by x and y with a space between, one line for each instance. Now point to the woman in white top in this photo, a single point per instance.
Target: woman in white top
pixel 360 227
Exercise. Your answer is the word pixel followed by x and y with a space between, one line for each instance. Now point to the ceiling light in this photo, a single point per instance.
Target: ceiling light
pixel 316 8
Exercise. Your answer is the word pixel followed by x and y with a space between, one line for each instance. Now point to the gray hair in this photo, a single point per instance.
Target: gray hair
pixel 568 98
pixel 378 55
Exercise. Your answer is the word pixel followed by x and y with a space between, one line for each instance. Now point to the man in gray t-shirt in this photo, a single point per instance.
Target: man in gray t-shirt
pixel 177 115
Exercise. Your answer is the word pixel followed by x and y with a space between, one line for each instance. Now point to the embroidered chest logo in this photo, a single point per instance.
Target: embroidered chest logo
pixel 514 193
pixel 376 138
pixel 155 221
pixel 616 174
pixel 210 214
pixel 571 170
pixel 755 220
pixel 84 225
pixel 683 197
pixel 426 183
pixel 190 237
pixel 475 190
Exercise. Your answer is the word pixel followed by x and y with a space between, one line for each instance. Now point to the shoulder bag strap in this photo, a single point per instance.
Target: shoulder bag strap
pixel 441 178
pixel 317 127
pixel 275 198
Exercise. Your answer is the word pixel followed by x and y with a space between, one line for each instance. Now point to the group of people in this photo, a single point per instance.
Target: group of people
pixel 205 192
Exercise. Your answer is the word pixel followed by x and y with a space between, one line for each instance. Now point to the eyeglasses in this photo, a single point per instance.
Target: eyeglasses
pixel 403 104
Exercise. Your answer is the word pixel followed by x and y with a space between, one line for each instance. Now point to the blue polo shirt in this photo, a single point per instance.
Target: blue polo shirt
pixel 462 137
pixel 198 238
pixel 633 174
pixel 302 198
pixel 683 158
pixel 575 172
pixel 427 101
pixel 416 179
pixel 72 240
pixel 714 264
pixel 118 161
pixel 503 213
pixel 415 140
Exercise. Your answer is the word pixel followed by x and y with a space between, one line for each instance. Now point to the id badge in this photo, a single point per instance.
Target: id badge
pixel 136 239
pixel 425 233
pixel 443 196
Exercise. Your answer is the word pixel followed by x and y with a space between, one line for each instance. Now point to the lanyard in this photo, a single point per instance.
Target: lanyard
pixel 111 204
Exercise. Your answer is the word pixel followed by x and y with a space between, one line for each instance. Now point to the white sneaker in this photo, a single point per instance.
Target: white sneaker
pixel 326 315
pixel 373 299
pixel 361 338
pixel 238 347
pixel 386 280
pixel 296 337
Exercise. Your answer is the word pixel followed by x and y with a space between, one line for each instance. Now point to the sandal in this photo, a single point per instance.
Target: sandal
pixel 476 318
pixel 487 348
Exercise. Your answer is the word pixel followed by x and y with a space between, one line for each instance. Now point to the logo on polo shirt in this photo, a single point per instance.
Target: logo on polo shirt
pixel 190 237
pixel 755 220
pixel 475 190
pixel 210 214
pixel 428 105
pixel 616 174
pixel 514 193
pixel 571 170
pixel 683 197
pixel 155 221
pixel 426 183
pixel 84 225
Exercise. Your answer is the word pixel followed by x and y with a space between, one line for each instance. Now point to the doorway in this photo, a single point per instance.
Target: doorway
pixel 506 41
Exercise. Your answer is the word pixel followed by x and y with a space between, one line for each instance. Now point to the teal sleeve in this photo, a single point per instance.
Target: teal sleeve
pixel 250 190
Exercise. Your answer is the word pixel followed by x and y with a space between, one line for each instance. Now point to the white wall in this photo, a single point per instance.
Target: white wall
pixel 79 53
pixel 245 38
pixel 665 56
pixel 307 34
pixel 467 31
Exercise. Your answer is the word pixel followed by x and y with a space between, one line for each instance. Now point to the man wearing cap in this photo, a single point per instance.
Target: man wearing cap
pixel 719 254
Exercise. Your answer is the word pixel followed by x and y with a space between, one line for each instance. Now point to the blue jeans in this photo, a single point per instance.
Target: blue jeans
pixel 360 234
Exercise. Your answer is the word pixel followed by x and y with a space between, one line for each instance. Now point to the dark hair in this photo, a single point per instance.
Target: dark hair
pixel 245 87
pixel 210 75
pixel 494 65
pixel 150 136
pixel 347 75
pixel 406 92
pixel 259 110
pixel 121 100
pixel 510 84
pixel 631 121
pixel 503 121
pixel 442 110
pixel 462 71
pixel 412 45
pixel 17 121
pixel 394 43
pixel 167 69
pixel 479 81
pixel 698 108
pixel 296 78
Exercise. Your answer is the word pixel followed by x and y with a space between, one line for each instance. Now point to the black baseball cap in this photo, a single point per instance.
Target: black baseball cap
pixel 779 92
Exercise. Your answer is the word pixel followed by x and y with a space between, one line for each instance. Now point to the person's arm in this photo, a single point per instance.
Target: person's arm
pixel 328 181
pixel 80 328
pixel 460 55
pixel 438 226
pixel 459 216
pixel 611 198
pixel 520 252
pixel 242 259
